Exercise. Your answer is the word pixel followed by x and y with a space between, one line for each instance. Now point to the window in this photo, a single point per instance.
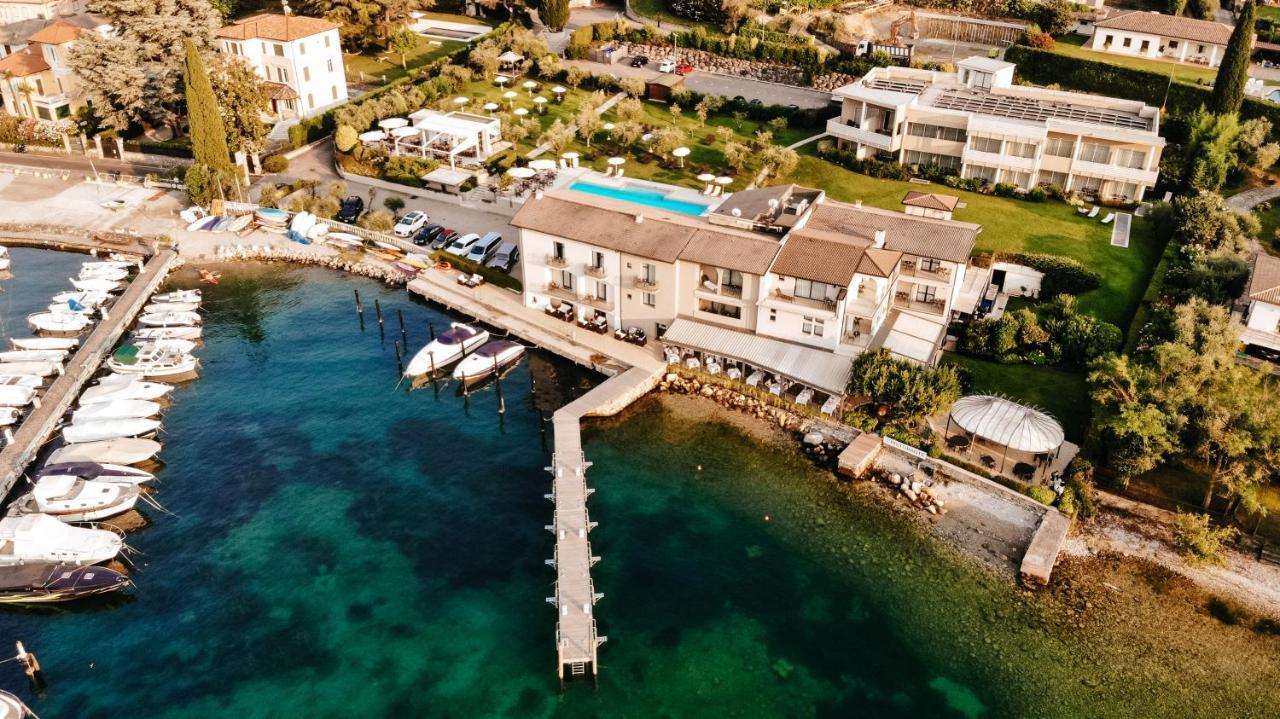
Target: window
pixel 731 279
pixel 40 88
pixel 1088 185
pixel 649 273
pixel 1173 44
pixel 557 251
pixel 1057 179
pixel 1020 149
pixel 1146 45
pixel 986 144
pixel 277 49
pixel 1095 152
pixel 982 172
pixel 602 291
pixel 302 48
pixel 306 74
pixel 915 157
pixel 566 280
pixel 597 260
pixel 649 299
pixel 326 41
pixel 812 290
pixel 1020 179
pixel 1134 159
pixel 1126 42
pixel 930 264
pixel 282 75
pixel 1059 146
pixel 1124 190
pixel 329 65
pixel 812 326
pixel 334 92
pixel 720 308
pixel 926 293
pixel 1200 49
pixel 937 132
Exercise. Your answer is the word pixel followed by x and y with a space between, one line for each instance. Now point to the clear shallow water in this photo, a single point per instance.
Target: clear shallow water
pixel 340 548
pixel 640 196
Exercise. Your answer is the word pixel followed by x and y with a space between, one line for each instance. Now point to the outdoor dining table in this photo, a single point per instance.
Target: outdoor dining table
pixel 1022 470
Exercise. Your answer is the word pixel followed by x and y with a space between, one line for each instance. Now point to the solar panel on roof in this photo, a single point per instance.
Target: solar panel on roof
pixel 1022 108
pixel 911 88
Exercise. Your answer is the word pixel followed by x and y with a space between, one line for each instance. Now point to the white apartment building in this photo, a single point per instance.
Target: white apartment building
pixel 299 57
pixel 977 122
pixel 19 10
pixel 790 278
pixel 1262 313
pixel 1158 36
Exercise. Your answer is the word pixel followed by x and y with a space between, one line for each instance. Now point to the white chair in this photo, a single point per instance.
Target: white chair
pixel 609 171
pixel 707 190
pixel 1093 213
pixel 1110 216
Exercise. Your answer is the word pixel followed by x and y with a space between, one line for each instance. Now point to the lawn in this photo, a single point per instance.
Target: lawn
pixel 1071 45
pixel 1060 392
pixel 1182 483
pixel 704 156
pixel 1011 225
pixel 1270 219
pixel 1269 12
pixel 386 65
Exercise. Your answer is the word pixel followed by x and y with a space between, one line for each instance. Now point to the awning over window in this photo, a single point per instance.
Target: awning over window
pixel 814 368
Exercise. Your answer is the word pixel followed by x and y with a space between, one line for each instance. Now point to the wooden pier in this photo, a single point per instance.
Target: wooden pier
pixel 41 422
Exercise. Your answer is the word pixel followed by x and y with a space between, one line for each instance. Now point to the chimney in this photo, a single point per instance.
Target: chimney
pixel 880 236
pixel 639 219
pixel 857 203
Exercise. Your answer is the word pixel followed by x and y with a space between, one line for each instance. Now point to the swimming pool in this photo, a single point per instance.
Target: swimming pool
pixel 652 198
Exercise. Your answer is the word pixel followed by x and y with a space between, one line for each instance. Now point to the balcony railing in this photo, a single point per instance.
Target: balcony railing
pixel 596 302
pixel 904 300
pixel 555 290
pixel 641 283
pixel 597 271
pixel 828 305
pixel 941 272
pixel 557 261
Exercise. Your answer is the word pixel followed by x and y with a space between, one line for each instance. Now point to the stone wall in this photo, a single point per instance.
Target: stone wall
pixel 754 69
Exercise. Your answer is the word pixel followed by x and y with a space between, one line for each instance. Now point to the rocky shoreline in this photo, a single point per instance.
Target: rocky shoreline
pixel 270 253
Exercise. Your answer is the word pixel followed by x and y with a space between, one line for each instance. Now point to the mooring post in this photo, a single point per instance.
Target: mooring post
pixel 404 335
pixel 432 329
pixel 399 358
pixel 359 310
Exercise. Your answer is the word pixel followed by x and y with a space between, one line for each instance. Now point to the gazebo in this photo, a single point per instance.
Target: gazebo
pixel 1013 427
pixel 509 62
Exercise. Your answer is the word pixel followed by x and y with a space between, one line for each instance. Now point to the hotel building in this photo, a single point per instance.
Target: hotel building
pixel 299 57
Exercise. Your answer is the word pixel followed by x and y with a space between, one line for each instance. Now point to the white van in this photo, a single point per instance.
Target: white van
pixel 461 245
pixel 484 248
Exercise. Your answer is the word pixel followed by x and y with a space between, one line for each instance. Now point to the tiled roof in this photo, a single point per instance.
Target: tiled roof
pixel 731 252
pixel 57 33
pixel 911 234
pixel 280 91
pixel 931 200
pixel 822 256
pixel 271 26
pixel 879 262
pixel 1183 28
pixel 23 63
pixel 603 227
pixel 1264 279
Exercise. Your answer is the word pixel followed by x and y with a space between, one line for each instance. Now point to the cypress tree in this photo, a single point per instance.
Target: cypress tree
pixel 1233 73
pixel 208 134
pixel 554 14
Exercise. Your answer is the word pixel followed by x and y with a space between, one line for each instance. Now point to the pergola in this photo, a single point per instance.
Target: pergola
pixel 1008 424
pixel 510 60
pixel 454 134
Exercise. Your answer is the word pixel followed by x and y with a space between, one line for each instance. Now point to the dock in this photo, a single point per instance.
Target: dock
pixel 41 422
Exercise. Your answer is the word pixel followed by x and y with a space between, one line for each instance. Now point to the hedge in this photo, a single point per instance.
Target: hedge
pixel 157 147
pixel 1047 68
pixel 1062 275
pixel 491 275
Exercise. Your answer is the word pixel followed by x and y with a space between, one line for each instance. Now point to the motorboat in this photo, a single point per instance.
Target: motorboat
pixel 169 319
pixel 117 473
pixel 60 321
pixel 44 343
pixel 195 224
pixel 39 368
pixel 172 345
pixel 303 222
pixel 88 299
pixel 448 347
pixel 16 396
pixel 127 450
pixel 44 582
pixel 132 388
pixel 161 307
pixel 152 361
pixel 72 499
pixel 490 359
pixel 116 409
pixel 95 284
pixel 11 707
pixel 344 240
pixel 104 429
pixel 21 380
pixel 114 274
pixel 271 216
pixel 32 356
pixel 240 223
pixel 40 538
pixel 95 265
pixel 9 416
pixel 150 334
pixel 222 224
pixel 178 295
pixel 72 307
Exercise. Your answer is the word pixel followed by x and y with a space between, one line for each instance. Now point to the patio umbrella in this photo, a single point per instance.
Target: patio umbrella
pixel 616 161
pixel 460 100
pixel 521 111
pixel 706 177
pixel 681 153
pixel 541 102
pixel 724 180
pixel 400 133
pixel 521 173
pixel 647 137
pixel 572 157
pixel 491 106
pixel 392 123
pixel 542 164
pixel 509 96
pixel 559 93
pixel 608 128
pixel 372 136
pixel 529 85
pixel 501 80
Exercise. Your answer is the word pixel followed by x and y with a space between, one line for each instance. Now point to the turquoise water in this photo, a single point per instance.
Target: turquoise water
pixel 650 198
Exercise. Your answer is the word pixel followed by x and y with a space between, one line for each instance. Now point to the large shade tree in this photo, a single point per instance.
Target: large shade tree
pixel 366 24
pixel 242 100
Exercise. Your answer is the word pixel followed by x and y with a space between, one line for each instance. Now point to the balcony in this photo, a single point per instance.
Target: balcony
pixel 903 300
pixel 1001 160
pixel 557 261
pixel 555 290
pixel 910 268
pixel 644 285
pixel 596 302
pixel 858 333
pixel 597 271
pixel 825 305
pixel 845 130
pixel 710 288
pixel 1114 172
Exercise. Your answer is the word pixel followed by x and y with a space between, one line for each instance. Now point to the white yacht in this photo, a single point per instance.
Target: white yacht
pixel 152 361
pixel 32 356
pixel 177 296
pixel 35 367
pixel 116 409
pixel 169 345
pixel 489 360
pixel 44 343
pixel 117 473
pixel 4 262
pixel 95 265
pixel 41 538
pixel 72 499
pixel 88 299
pixel 156 308
pixel 9 416
pixel 124 387
pixel 103 273
pixel 446 348
pixel 104 429
pixel 59 321
pixel 129 450
pixel 169 319
pixel 146 334
pixel 20 380
pixel 96 284
pixel 16 396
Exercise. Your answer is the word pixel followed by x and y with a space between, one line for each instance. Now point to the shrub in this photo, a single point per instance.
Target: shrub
pixel 1062 275
pixel 394 203
pixel 1041 494
pixel 377 220
pixel 1039 40
pixel 490 274
pixel 345 138
pixel 1036 194
pixel 275 164
pixel 1004 189
pixel 1199 542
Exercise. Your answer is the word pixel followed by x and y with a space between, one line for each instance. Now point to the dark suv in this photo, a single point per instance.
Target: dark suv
pixel 427 234
pixel 639 61
pixel 351 209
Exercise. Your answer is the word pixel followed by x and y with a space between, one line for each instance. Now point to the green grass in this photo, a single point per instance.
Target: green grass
pixel 1270 219
pixel 376 65
pixel 1071 45
pixel 1182 483
pixel 1060 392
pixel 1011 225
pixel 1268 12
pixel 657 10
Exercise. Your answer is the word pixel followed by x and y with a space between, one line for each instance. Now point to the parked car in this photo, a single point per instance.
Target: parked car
pixel 351 209
pixel 755 101
pixel 505 258
pixel 684 68
pixel 484 247
pixel 410 223
pixel 443 239
pixel 667 66
pixel 427 234
pixel 639 61
pixel 462 245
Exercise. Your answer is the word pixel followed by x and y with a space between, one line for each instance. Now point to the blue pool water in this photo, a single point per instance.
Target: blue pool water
pixel 651 198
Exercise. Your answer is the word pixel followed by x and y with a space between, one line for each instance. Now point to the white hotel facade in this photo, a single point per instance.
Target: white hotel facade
pixel 299 57
pixel 978 122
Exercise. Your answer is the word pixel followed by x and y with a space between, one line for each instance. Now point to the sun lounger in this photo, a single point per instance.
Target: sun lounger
pixel 829 407
pixel 1082 209
pixel 1094 212
pixel 754 379
pixel 707 190
pixel 620 172
pixel 1110 216
pixel 608 171
pixel 1168 197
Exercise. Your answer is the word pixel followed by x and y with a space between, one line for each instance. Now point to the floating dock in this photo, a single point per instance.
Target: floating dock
pixel 41 422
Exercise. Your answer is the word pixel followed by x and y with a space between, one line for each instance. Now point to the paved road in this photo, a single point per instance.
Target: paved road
pixel 77 163
pixel 714 84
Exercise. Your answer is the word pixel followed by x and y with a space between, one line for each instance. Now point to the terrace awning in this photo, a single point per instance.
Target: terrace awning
pixel 1007 423
pixel 813 368
pixel 914 337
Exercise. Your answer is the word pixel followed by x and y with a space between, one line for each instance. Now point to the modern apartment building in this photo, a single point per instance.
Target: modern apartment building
pixel 1262 303
pixel 1158 36
pixel 37 81
pixel 779 267
pixel 978 122
pixel 299 57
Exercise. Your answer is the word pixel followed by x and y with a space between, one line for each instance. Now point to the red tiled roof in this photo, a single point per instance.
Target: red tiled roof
pixel 57 33
pixel 23 64
pixel 270 26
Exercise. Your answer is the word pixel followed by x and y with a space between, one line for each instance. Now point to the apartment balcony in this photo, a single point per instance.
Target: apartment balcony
pixel 910 268
pixel 707 287
pixel 568 295
pixel 1114 172
pixel 879 139
pixel 1001 160
pixel 597 271
pixel 904 300
pixel 858 333
pixel 644 285
pixel 557 261
pixel 823 305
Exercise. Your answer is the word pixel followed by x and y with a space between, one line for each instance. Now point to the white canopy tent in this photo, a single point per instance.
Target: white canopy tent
pixel 1009 424
pixel 452 135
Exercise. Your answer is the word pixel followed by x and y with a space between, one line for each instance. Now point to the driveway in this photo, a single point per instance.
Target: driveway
pixel 709 83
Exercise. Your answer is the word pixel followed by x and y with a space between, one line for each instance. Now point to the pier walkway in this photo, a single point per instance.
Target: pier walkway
pixel 57 399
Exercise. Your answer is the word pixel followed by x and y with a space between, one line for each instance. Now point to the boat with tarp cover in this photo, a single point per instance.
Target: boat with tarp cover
pixel 41 583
